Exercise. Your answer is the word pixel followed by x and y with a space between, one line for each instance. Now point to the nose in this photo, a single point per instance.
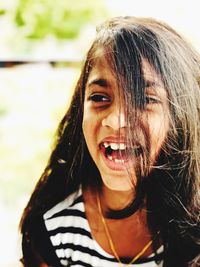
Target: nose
pixel 115 118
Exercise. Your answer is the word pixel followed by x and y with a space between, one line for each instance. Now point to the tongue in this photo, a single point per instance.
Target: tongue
pixel 119 154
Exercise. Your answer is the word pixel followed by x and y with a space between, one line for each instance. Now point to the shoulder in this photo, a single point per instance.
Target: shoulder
pixel 67 227
pixel 44 227
pixel 71 205
pixel 66 217
pixel 67 203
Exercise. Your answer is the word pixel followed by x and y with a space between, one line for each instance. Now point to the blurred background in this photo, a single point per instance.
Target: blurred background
pixel 42 47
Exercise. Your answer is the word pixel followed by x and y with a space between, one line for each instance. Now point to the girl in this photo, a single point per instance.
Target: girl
pixel 122 185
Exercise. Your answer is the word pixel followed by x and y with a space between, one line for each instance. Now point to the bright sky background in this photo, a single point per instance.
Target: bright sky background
pixel 183 15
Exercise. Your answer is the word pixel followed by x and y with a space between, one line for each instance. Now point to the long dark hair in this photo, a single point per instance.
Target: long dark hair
pixel 172 189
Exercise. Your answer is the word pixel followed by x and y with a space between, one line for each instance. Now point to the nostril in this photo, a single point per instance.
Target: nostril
pixel 114 121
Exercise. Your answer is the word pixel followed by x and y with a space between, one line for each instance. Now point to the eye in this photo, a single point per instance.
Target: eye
pixel 151 100
pixel 99 98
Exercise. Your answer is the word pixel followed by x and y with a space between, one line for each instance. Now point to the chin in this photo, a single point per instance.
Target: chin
pixel 116 185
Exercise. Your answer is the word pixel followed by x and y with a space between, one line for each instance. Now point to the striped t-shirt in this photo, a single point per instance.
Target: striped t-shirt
pixel 70 235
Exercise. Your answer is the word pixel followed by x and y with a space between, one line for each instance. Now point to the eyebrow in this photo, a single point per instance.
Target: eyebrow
pixel 154 87
pixel 99 81
pixel 150 83
pixel 104 83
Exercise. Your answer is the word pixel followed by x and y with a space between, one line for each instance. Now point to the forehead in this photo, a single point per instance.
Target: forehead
pixel 102 69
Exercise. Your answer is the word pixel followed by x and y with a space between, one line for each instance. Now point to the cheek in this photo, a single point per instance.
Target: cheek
pixel 87 121
pixel 91 121
pixel 86 126
pixel 158 131
pixel 90 129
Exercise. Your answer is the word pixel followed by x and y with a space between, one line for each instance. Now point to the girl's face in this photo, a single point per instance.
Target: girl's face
pixel 104 117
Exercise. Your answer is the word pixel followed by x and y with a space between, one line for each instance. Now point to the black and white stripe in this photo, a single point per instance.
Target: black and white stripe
pixel 70 235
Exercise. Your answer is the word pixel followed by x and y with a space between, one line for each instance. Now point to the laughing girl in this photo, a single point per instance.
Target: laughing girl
pixel 122 185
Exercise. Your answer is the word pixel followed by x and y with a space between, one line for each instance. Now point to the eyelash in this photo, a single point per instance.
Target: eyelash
pixel 98 98
pixel 151 100
pixel 101 100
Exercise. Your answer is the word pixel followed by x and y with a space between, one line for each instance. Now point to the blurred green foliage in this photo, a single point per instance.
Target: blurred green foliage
pixel 2 11
pixel 60 18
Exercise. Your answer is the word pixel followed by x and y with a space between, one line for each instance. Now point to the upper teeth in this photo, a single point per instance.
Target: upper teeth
pixel 115 146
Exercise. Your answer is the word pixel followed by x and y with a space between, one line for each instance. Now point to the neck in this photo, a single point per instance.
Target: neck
pixel 113 199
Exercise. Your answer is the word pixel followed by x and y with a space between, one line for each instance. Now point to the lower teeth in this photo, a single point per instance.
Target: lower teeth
pixel 116 160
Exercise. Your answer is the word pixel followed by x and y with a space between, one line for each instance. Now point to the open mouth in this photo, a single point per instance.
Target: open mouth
pixel 120 152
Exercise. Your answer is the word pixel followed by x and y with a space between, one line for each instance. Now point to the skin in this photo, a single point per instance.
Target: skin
pixel 134 232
